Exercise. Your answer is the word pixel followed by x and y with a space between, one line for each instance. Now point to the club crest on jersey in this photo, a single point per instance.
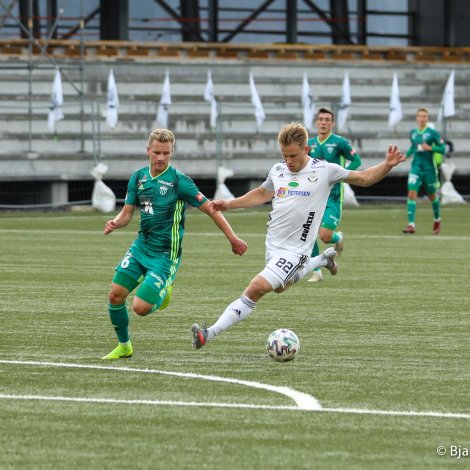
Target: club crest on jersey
pixel 163 190
pixel 313 179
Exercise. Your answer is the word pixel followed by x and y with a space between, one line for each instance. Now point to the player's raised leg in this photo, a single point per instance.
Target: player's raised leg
pixel 317 275
pixel 237 311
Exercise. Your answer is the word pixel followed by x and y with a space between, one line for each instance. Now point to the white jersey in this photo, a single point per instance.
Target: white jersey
pixel 299 203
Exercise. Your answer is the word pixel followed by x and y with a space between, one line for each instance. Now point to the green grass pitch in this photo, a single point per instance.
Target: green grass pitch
pixel 389 335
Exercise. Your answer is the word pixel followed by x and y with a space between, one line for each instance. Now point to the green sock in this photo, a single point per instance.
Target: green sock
pixel 316 250
pixel 120 320
pixel 436 208
pixel 411 206
pixel 335 238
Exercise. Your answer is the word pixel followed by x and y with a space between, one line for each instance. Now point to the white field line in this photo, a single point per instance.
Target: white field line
pixel 308 405
pixel 241 234
pixel 113 401
pixel 429 414
pixel 303 401
pixel 194 213
pixel 148 402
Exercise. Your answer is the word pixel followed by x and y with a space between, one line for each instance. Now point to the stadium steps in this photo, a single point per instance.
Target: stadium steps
pixel 245 149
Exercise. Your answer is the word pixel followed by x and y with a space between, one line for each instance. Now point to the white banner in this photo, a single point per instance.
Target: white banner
pixel 308 103
pixel 113 101
pixel 447 107
pixel 209 97
pixel 165 101
pixel 255 100
pixel 395 113
pixel 57 100
pixel 344 103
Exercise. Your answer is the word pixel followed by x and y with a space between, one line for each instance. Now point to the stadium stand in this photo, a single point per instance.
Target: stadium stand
pixel 67 156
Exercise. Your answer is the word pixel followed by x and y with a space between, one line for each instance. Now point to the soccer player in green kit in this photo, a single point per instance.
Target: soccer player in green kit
pixel 425 141
pixel 162 194
pixel 334 149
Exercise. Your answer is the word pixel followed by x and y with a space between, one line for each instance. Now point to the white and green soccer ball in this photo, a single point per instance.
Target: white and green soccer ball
pixel 283 345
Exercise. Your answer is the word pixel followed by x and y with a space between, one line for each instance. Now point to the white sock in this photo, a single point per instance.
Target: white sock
pixel 314 263
pixel 238 310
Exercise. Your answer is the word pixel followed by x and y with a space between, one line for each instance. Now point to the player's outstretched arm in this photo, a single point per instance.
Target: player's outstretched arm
pixel 252 198
pixel 375 173
pixel 238 245
pixel 121 220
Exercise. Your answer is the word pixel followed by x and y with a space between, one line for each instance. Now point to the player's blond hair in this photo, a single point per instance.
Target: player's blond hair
pixel 163 136
pixel 423 110
pixel 293 133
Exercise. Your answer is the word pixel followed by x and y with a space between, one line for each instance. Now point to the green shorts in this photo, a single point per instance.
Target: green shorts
pixel 332 216
pixel 423 172
pixel 154 274
pixel 428 178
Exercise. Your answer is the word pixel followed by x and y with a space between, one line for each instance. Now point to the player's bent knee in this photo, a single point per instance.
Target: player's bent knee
pixel 258 287
pixel 142 308
pixel 141 313
pixel 118 293
pixel 117 297
pixel 280 290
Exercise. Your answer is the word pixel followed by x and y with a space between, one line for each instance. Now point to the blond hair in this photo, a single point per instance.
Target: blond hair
pixel 423 110
pixel 163 136
pixel 293 133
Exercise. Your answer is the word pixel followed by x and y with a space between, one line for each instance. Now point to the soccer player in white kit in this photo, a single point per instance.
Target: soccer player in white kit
pixel 298 187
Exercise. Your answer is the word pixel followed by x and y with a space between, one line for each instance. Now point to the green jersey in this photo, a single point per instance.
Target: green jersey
pixel 426 136
pixel 335 149
pixel 162 200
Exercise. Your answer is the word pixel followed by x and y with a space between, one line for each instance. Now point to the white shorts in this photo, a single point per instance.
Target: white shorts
pixel 281 267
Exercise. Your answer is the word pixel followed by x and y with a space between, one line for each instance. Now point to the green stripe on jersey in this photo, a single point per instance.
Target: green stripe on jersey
pixel 175 231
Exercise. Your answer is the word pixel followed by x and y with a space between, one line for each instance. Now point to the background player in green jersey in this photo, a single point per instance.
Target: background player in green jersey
pixel 425 142
pixel 334 149
pixel 162 194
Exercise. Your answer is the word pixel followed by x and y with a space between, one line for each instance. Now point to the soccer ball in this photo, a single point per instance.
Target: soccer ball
pixel 282 345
